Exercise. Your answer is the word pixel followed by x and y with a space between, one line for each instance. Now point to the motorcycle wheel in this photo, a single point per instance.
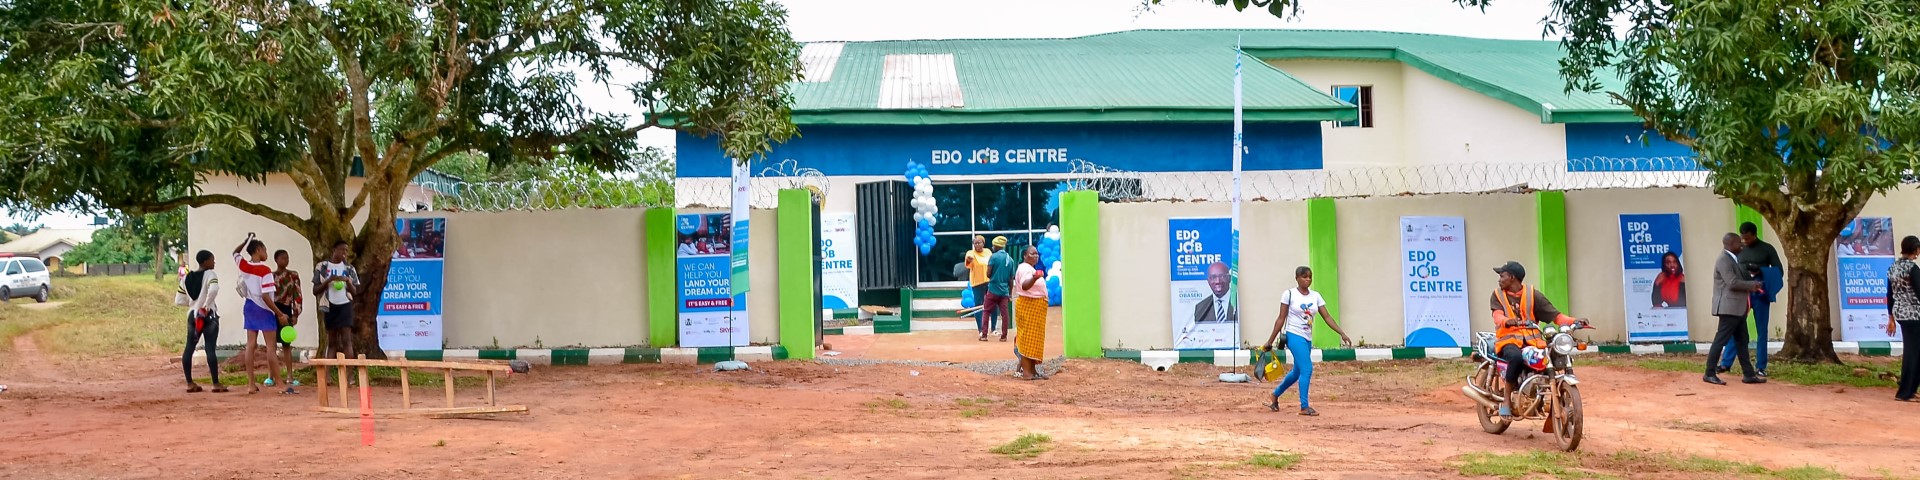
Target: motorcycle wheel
pixel 1567 418
pixel 1490 419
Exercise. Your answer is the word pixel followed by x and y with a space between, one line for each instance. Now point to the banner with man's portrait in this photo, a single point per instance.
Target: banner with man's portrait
pixel 1205 314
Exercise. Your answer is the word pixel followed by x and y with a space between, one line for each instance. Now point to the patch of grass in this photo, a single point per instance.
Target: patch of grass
pixel 1866 375
pixel 1523 465
pixel 1672 365
pixel 1027 446
pixel 1276 461
pixel 973 413
pixel 1668 462
pixel 104 316
pixel 969 402
pixel 886 404
pixel 1807 473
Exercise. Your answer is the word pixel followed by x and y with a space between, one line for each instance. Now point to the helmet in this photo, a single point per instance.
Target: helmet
pixel 1536 357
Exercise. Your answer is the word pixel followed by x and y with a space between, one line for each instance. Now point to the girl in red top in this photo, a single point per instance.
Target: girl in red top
pixel 1670 288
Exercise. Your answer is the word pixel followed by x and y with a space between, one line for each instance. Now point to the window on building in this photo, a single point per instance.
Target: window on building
pixel 1016 210
pixel 1362 97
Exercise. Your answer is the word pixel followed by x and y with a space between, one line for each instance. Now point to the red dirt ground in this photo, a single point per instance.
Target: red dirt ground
pixel 1108 419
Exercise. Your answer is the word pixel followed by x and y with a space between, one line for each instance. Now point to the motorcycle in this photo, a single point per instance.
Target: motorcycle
pixel 1548 390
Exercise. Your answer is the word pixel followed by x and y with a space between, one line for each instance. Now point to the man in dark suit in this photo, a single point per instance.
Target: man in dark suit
pixel 1733 289
pixel 1756 254
pixel 1216 308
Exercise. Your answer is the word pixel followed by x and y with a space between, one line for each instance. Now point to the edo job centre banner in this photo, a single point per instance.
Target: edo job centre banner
pixel 839 274
pixel 409 316
pixel 1434 286
pixel 712 314
pixel 1866 253
pixel 1204 313
pixel 1656 282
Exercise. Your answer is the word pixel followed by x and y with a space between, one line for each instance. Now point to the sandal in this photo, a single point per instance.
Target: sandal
pixel 1908 400
pixel 1308 412
pixel 219 389
pixel 1274 405
pixel 983 338
pixel 193 388
pixel 289 391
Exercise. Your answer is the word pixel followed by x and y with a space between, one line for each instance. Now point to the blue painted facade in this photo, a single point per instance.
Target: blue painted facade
pixel 1613 141
pixel 1032 149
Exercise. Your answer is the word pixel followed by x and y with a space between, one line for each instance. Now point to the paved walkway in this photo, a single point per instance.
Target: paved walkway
pixel 940 341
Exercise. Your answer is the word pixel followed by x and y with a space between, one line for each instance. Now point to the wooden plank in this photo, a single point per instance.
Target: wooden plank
pixel 431 412
pixel 363 386
pixel 482 367
pixel 320 377
pixel 406 389
pixel 342 371
pixel 490 389
pixel 449 379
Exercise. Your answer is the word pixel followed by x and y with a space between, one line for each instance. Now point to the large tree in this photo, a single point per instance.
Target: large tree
pixel 111 104
pixel 1800 109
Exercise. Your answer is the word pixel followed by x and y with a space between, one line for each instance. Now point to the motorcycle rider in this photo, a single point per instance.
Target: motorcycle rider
pixel 1517 310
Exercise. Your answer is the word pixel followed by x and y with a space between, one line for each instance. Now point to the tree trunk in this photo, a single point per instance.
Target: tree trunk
pixel 1807 249
pixel 159 258
pixel 372 254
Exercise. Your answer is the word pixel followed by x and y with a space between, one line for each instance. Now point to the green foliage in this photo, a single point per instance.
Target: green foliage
pixel 1276 461
pixel 131 239
pixel 1026 447
pixel 22 229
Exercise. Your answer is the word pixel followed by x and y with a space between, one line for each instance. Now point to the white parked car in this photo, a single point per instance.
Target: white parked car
pixel 24 277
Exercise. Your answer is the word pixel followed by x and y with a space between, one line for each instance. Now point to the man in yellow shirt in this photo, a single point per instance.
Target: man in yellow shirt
pixel 976 263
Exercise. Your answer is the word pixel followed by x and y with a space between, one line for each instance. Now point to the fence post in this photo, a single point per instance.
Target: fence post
pixel 1323 256
pixel 1080 268
pixel 796 260
pixel 663 290
pixel 1550 207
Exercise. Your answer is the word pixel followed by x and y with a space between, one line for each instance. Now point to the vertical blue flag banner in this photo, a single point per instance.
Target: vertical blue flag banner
pixel 742 186
pixel 710 313
pixel 1204 314
pixel 409 317
pixel 839 270
pixel 1233 256
pixel 1434 280
pixel 1865 248
pixel 1655 278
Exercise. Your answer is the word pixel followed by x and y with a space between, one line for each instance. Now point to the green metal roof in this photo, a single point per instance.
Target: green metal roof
pixel 1163 75
pixel 1062 80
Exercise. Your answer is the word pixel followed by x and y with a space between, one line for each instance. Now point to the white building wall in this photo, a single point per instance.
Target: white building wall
pixel 1448 123
pixel 1351 147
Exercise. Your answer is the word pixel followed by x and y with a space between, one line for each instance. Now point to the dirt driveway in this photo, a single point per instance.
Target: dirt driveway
pixel 1107 419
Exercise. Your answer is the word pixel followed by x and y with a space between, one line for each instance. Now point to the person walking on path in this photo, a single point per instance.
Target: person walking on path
pixel 1000 270
pixel 1030 312
pixel 1759 256
pixel 334 282
pixel 1733 290
pixel 1903 314
pixel 198 289
pixel 976 263
pixel 1296 318
pixel 259 315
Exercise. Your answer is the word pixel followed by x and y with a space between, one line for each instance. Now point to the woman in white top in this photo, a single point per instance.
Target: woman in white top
pixel 1297 320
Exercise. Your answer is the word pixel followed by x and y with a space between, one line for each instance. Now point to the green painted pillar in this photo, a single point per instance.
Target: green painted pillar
pixel 1323 256
pixel 1743 214
pixel 795 261
pixel 663 289
pixel 1550 207
pixel 1080 273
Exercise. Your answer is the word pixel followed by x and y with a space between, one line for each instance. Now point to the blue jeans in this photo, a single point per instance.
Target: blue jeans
pixel 1300 354
pixel 1761 311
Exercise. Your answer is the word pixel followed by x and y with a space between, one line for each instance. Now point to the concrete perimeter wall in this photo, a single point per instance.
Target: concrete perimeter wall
pixel 559 278
pixel 1136 299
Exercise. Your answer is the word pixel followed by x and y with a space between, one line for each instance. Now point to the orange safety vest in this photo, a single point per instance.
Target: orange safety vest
pixel 1518 336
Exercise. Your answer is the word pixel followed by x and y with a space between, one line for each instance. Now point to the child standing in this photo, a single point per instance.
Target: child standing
pixel 333 284
pixel 197 292
pixel 259 315
pixel 290 303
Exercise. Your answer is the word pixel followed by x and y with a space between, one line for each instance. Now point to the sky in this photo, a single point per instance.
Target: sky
pixel 863 20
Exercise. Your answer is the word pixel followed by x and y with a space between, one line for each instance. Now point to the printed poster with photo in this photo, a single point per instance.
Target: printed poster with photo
pixel 1205 315
pixel 1865 250
pixel 839 269
pixel 1655 278
pixel 711 314
pixel 1434 281
pixel 409 316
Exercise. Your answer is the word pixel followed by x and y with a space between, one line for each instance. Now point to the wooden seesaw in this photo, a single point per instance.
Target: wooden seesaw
pixel 341 364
